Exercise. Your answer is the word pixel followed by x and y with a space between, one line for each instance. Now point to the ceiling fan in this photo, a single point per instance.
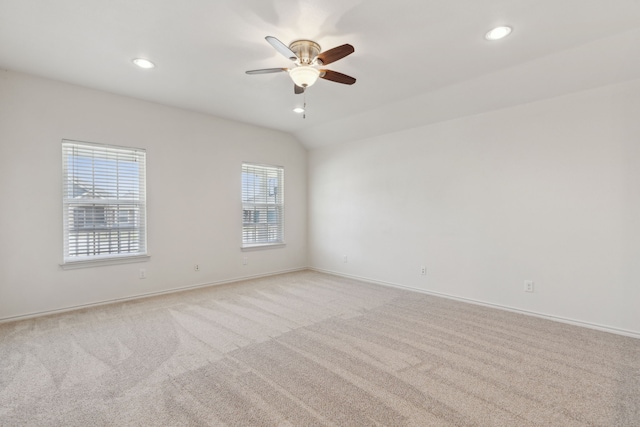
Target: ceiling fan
pixel 307 56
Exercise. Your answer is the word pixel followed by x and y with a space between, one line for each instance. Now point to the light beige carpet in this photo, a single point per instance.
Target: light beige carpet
pixel 309 349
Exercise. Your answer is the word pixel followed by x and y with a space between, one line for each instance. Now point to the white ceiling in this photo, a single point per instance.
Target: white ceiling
pixel 416 61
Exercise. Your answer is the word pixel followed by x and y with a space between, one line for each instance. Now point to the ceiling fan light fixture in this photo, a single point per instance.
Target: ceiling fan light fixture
pixel 298 110
pixel 304 75
pixel 498 33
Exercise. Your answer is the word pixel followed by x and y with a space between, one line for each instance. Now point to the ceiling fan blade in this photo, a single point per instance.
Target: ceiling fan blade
pixel 266 71
pixel 297 89
pixel 337 77
pixel 282 48
pixel 332 55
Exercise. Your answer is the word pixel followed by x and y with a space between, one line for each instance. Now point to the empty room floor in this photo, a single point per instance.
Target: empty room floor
pixel 308 348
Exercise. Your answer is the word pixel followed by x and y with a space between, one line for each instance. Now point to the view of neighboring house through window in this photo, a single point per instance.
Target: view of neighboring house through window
pixel 262 205
pixel 104 202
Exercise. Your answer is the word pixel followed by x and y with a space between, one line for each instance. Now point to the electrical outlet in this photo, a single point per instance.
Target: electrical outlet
pixel 423 270
pixel 196 267
pixel 142 273
pixel 528 285
pixel 345 259
pixel 245 261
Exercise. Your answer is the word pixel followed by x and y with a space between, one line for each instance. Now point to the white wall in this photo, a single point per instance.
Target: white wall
pixel 548 191
pixel 193 185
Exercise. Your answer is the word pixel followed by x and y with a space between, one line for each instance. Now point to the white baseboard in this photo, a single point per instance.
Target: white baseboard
pixel 603 328
pixel 145 295
pixel 574 322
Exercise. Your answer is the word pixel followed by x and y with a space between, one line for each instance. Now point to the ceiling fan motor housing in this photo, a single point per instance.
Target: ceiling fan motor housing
pixel 306 50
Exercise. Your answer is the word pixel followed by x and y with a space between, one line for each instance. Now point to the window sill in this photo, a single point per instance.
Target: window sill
pixel 262 246
pixel 72 265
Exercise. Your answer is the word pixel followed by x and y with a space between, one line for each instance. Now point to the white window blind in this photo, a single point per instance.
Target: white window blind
pixel 104 201
pixel 262 205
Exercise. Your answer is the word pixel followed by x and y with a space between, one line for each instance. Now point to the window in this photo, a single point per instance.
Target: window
pixel 104 201
pixel 262 205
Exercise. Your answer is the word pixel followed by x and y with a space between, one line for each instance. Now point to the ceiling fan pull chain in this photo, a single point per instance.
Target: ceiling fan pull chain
pixel 304 107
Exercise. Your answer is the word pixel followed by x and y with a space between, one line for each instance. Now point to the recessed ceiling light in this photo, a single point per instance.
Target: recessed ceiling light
pixel 143 63
pixel 498 33
pixel 298 110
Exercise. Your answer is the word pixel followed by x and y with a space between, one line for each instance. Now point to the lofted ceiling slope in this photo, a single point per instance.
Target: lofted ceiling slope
pixel 416 61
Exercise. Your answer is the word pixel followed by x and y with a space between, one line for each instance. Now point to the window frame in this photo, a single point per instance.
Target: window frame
pixel 252 210
pixel 114 180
